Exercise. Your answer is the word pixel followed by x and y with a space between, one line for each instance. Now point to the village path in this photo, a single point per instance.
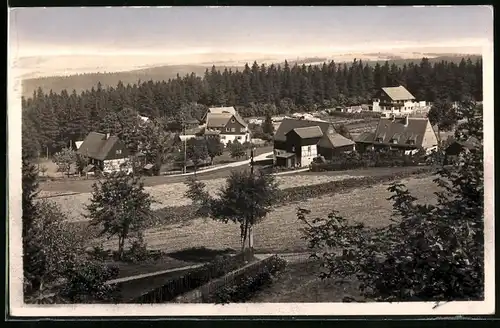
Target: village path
pixel 225 166
pixel 289 257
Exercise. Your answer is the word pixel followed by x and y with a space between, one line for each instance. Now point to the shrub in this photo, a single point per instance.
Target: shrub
pixel 193 279
pixel 246 286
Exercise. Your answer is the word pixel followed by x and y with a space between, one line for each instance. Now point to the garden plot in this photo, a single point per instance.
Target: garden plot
pixel 168 195
pixel 281 230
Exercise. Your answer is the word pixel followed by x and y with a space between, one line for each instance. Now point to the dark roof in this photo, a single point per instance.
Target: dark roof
pixel 365 137
pixel 388 130
pixel 289 124
pixel 471 143
pixel 335 140
pixel 308 132
pixel 96 145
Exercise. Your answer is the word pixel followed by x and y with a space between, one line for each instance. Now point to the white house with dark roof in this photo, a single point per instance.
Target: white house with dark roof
pixel 227 123
pixel 406 134
pixel 394 101
pixel 298 142
pixel 106 153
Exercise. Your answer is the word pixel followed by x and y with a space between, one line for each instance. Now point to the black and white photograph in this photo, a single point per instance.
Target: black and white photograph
pixel 208 161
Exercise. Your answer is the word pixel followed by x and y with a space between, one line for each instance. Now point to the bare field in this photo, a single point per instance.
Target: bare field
pixel 168 195
pixel 280 231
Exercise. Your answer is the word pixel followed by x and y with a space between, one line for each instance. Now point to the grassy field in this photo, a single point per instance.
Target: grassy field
pixel 281 231
pixel 172 194
pixel 299 282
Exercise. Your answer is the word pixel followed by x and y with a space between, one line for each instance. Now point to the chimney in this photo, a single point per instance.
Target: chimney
pixel 107 136
pixel 406 120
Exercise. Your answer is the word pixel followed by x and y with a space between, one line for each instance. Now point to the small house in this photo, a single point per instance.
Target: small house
pixel 227 123
pixel 106 153
pixel 298 142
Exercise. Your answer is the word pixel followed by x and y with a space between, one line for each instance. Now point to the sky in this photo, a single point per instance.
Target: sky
pixel 276 30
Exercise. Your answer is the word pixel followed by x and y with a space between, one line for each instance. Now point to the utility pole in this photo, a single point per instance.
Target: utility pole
pixel 185 145
pixel 250 232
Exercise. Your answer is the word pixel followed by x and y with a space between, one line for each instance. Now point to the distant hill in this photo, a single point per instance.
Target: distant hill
pixel 86 81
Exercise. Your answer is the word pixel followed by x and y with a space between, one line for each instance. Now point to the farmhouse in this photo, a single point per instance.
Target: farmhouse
pixel 394 101
pixel 106 153
pixel 227 123
pixel 298 142
pixel 399 134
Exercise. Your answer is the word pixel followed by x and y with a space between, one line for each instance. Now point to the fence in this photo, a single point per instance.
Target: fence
pixel 203 293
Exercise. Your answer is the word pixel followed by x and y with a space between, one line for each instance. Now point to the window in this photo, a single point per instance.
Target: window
pixel 118 152
pixel 228 129
pixel 232 120
pixel 233 129
pixel 239 137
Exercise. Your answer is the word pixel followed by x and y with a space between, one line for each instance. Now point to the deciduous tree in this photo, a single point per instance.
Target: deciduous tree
pixel 196 151
pixel 214 148
pixel 65 159
pixel 236 149
pixel 120 207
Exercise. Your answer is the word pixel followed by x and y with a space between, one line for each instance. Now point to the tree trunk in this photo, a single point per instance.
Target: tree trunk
pixel 121 246
pixel 250 237
pixel 245 234
pixel 439 136
pixel 211 161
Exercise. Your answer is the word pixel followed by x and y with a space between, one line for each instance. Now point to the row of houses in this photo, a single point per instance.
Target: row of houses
pixel 298 142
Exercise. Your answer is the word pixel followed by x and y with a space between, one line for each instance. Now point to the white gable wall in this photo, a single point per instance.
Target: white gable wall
pixel 308 153
pixel 430 138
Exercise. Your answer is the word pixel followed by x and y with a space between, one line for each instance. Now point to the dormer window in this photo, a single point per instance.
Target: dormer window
pixel 395 138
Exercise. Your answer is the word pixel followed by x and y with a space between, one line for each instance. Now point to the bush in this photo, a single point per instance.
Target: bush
pixel 246 286
pixel 193 279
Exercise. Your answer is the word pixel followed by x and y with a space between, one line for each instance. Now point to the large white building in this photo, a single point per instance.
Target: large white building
pixel 396 101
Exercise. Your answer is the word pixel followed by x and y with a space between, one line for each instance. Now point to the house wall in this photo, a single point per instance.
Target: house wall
pixel 225 138
pixel 307 154
pixel 114 165
pixel 430 138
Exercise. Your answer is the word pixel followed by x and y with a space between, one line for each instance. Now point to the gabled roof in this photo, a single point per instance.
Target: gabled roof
pixel 471 143
pixel 365 137
pixel 398 93
pixel 308 132
pixel 388 130
pixel 220 110
pixel 220 120
pixel 335 140
pixel 96 145
pixel 289 124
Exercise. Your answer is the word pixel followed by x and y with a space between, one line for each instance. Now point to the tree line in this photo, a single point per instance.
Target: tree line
pixel 52 119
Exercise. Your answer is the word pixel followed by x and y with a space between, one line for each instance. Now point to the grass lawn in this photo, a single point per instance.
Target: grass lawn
pixel 281 231
pixel 299 282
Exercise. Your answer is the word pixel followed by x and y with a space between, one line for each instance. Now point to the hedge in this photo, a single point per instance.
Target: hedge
pixel 369 159
pixel 193 279
pixel 247 285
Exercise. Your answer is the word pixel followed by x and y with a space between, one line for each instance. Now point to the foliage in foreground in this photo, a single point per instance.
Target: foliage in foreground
pixel 429 252
pixel 249 284
pixel 53 254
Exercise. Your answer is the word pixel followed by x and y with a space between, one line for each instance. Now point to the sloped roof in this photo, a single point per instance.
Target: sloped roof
pixel 471 143
pixel 308 132
pixel 365 137
pixel 387 130
pixel 97 146
pixel 220 110
pixel 398 93
pixel 219 120
pixel 335 140
pixel 289 124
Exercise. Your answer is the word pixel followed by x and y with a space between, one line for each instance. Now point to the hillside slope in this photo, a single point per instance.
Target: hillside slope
pixel 82 82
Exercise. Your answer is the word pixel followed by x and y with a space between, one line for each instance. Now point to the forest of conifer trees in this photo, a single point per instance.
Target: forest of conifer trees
pixel 51 120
